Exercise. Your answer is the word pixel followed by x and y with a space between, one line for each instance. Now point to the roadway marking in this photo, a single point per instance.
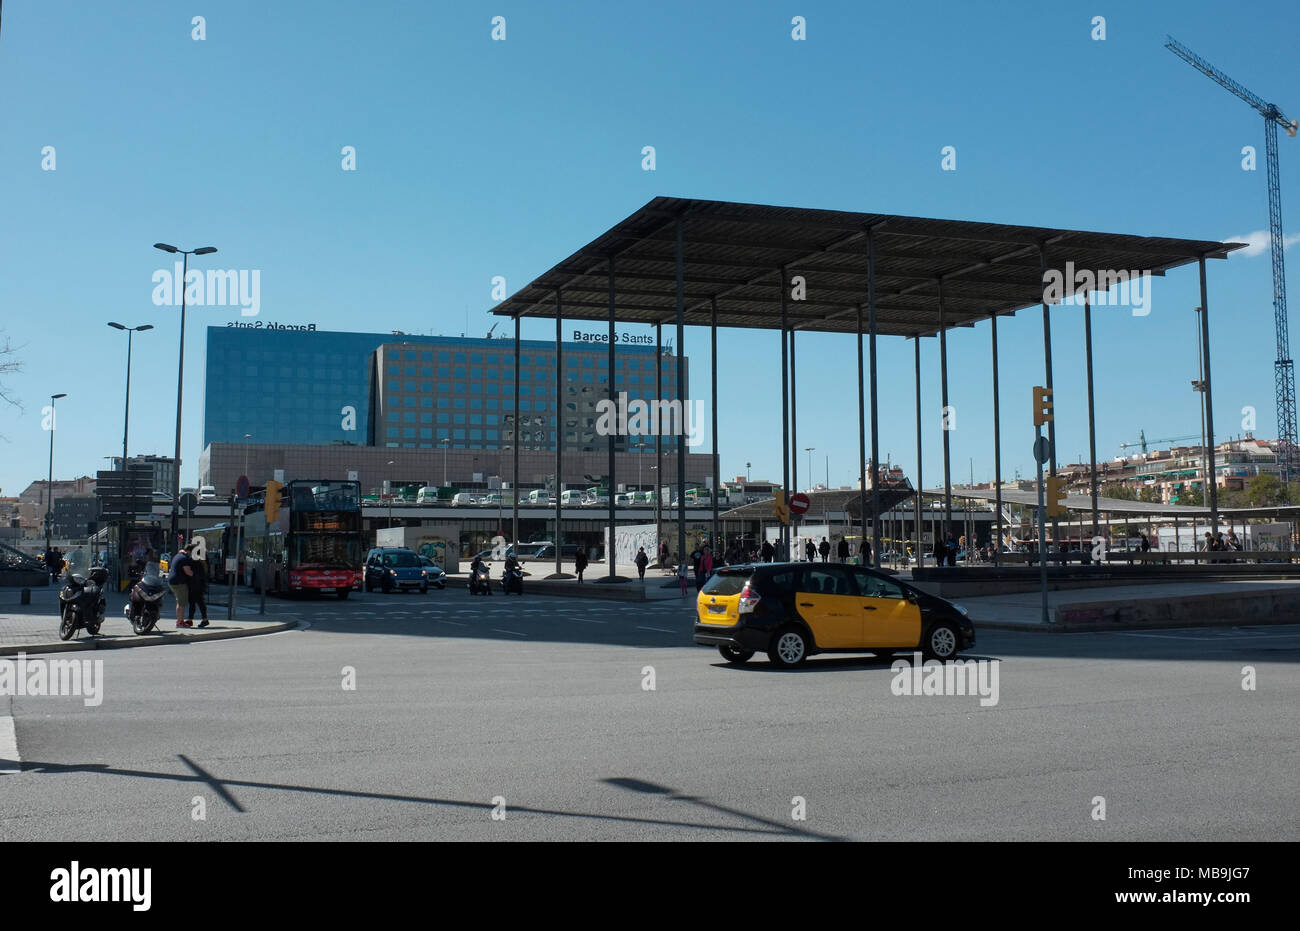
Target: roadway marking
pixel 660 629
pixel 10 761
pixel 515 632
pixel 457 623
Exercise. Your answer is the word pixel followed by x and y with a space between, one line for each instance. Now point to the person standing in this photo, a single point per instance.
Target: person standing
pixel 642 560
pixel 809 550
pixel 704 568
pixel 198 585
pixel 864 552
pixel 766 551
pixel 580 561
pixel 681 575
pixel 824 548
pixel 842 550
pixel 663 553
pixel 179 572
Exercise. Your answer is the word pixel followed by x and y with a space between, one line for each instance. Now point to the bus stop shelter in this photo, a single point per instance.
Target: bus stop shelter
pixel 706 263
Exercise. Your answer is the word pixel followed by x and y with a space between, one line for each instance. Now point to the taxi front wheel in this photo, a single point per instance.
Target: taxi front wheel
pixel 735 655
pixel 789 648
pixel 941 642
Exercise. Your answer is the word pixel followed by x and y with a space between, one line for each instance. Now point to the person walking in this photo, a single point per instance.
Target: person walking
pixel 809 550
pixel 580 561
pixel 663 554
pixel 767 551
pixel 198 585
pixel 864 552
pixel 950 549
pixel 681 575
pixel 842 550
pixel 179 572
pixel 642 560
pixel 824 549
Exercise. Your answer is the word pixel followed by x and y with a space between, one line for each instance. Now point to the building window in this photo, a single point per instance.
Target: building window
pixel 426 371
pixel 444 418
pixel 459 404
pixel 409 386
pixel 426 402
pixel 444 387
pixel 444 371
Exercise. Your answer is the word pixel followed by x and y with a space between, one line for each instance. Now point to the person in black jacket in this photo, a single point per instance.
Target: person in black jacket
pixel 842 550
pixel 198 584
pixel 580 561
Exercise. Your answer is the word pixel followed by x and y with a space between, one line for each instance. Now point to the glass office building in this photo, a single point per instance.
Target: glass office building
pixel 296 387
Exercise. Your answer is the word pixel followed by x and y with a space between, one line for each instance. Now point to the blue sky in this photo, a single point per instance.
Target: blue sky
pixel 478 158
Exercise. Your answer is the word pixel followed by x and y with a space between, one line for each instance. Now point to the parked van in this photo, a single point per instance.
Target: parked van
pixel 461 500
pixel 539 496
pixel 571 496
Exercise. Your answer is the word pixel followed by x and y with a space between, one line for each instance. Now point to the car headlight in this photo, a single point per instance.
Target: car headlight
pixel 962 610
pixel 393 573
pixel 424 573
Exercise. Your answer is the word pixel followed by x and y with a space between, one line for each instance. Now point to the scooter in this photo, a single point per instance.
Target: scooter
pixel 82 603
pixel 512 580
pixel 480 582
pixel 145 605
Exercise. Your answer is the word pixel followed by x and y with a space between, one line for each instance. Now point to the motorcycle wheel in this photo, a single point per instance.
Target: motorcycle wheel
pixel 67 624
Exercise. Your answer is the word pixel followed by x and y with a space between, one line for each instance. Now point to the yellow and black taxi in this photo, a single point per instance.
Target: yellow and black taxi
pixel 792 610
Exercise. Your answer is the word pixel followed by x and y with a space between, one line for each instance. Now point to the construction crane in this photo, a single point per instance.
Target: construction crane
pixel 1283 371
pixel 1142 440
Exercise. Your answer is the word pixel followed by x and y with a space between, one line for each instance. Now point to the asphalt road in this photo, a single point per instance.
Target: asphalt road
pixel 540 702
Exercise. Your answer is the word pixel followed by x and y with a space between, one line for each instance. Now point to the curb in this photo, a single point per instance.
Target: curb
pixel 147 640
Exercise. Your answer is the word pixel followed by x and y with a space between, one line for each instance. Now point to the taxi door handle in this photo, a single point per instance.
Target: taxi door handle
pixel 805 604
pixel 868 607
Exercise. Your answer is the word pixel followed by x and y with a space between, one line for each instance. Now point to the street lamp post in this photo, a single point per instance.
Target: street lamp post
pixel 247 437
pixel 126 419
pixel 809 451
pixel 49 482
pixel 180 378
pixel 445 443
pixel 390 497
pixel 655 470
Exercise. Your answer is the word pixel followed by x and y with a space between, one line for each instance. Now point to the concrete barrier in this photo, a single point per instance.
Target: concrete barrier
pixel 1227 609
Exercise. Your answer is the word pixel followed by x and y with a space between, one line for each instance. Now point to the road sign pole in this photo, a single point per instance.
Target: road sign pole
pixel 231 534
pixel 1042 522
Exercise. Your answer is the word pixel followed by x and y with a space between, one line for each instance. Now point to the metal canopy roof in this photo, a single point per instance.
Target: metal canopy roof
pixel 1080 502
pixel 734 253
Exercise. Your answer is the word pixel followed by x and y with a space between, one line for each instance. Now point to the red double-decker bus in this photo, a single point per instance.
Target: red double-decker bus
pixel 313 543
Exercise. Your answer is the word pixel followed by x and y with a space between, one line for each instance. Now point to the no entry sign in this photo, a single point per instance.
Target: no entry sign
pixel 799 503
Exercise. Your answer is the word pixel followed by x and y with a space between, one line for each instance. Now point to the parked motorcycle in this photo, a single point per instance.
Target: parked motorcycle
pixel 480 583
pixel 512 580
pixel 82 603
pixel 145 605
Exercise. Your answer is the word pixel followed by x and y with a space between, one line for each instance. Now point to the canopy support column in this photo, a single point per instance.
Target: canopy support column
pixel 920 534
pixel 1211 496
pixel 613 434
pixel 1092 416
pixel 997 449
pixel 713 393
pixel 875 420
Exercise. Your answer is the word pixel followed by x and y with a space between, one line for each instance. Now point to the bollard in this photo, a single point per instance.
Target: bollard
pixel 25 598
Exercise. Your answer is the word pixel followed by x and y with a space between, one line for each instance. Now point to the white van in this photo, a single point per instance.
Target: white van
pixel 539 496
pixel 571 496
pixel 207 493
pixel 461 500
pixel 427 495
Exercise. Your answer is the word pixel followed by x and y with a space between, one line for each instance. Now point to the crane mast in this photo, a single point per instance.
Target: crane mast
pixel 1283 368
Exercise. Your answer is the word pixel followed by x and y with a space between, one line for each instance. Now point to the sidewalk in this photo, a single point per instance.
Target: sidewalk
pixel 34 628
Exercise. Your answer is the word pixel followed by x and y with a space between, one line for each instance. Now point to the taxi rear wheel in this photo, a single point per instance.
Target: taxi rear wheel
pixel 735 655
pixel 789 648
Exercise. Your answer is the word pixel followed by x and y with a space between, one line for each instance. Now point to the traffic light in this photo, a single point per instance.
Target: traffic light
pixel 1043 406
pixel 273 500
pixel 779 506
pixel 1054 496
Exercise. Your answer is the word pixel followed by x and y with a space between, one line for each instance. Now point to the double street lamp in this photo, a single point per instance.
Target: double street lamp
pixel 49 482
pixel 126 418
pixel 180 379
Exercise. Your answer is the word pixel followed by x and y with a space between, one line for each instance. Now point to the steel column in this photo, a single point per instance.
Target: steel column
pixel 920 535
pixel 613 399
pixel 713 369
pixel 794 435
pixel 559 432
pixel 943 378
pixel 875 419
pixel 659 438
pixel 559 428
pixel 681 398
pixel 997 449
pixel 785 412
pixel 1092 416
pixel 1213 490
pixel 862 438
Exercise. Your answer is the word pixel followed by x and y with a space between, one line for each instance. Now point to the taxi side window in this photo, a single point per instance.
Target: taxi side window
pixel 872 586
pixel 827 580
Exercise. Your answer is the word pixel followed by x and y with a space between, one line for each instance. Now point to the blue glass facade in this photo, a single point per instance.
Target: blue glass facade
pixel 372 389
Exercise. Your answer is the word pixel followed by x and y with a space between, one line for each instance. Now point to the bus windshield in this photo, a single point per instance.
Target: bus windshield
pixel 325 496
